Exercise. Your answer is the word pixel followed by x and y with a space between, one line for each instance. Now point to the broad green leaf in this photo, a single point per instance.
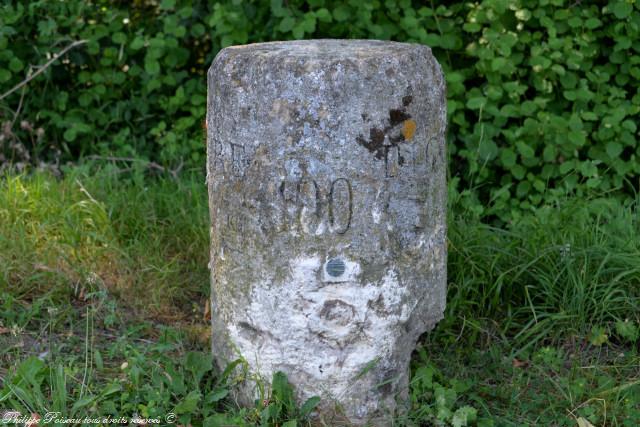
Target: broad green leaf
pixel 621 9
pixel 15 65
pixel 137 43
pixel 323 15
pixel 614 149
pixel 298 31
pixel 576 137
pixel 476 103
pixel 592 23
pixel 119 37
pixel 5 75
pixel 309 405
pixel 487 150
pixel 83 403
pixel 286 24
pixel 189 404
pixel 508 157
pixel 152 67
pixel 498 64
pixel 167 4
pixel 70 134
pixel 341 13
pixel 198 364
pixel 216 395
pixel 525 150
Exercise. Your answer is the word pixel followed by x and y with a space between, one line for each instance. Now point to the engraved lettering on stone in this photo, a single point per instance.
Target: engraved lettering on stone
pixel 391 160
pixel 218 160
pixel 289 201
pixel 340 205
pixel 305 206
pixel 238 159
pixel 310 205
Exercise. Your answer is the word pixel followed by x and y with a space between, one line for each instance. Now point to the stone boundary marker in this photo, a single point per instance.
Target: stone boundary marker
pixel 327 189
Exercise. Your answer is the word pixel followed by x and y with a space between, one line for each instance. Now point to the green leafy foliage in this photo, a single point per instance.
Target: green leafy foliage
pixel 152 385
pixel 281 408
pixel 436 399
pixel 552 386
pixel 549 273
pixel 627 330
pixel 543 96
pixel 135 87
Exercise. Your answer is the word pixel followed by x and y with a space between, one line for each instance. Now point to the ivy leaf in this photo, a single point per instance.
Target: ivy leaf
pixel 70 134
pixel 487 150
pixel 622 9
pixel 498 64
pixel 477 102
pixel 525 150
pixel 287 24
pixel 119 37
pixel 323 15
pixel 137 43
pixel 152 67
pixel 298 31
pixel 341 13
pixel 167 4
pixel 5 75
pixel 614 149
pixel 277 9
pixel 15 65
pixel 592 23
pixel 309 23
pixel 508 158
pixel 576 137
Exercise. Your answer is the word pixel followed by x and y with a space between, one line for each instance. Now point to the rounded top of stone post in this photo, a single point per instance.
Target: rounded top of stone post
pixel 327 49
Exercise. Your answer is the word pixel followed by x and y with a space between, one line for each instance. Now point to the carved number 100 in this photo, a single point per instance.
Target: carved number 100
pixel 307 206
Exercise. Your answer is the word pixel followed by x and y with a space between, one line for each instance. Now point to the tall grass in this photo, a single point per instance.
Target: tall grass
pixel 145 241
pixel 549 274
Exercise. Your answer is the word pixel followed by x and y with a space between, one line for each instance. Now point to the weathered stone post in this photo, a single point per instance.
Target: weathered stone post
pixel 326 175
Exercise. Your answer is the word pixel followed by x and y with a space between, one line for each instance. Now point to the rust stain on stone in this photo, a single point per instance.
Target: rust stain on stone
pixel 408 129
pixel 397 116
pixel 382 138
